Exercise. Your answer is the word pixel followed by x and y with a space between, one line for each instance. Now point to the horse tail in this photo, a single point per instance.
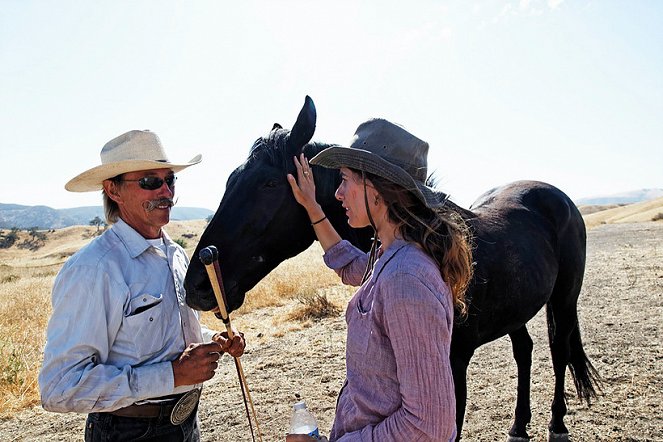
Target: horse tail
pixel 585 377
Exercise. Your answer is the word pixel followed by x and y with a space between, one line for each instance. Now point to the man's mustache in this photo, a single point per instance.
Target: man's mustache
pixel 153 204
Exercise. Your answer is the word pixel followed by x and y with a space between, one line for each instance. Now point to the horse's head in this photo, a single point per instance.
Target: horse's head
pixel 258 224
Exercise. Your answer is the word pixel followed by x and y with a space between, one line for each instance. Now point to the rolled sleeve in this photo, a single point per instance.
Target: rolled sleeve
pixel 347 261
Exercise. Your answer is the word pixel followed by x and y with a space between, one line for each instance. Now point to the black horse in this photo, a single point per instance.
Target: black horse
pixel 529 252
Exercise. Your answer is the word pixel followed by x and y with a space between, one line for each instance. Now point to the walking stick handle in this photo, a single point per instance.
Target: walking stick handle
pixel 209 257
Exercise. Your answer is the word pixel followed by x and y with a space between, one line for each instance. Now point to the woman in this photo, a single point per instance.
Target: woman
pixel 399 385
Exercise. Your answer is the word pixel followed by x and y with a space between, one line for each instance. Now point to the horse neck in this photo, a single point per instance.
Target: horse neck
pixel 464 213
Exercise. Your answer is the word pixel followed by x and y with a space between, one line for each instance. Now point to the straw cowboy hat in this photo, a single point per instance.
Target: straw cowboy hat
pixel 389 151
pixel 130 152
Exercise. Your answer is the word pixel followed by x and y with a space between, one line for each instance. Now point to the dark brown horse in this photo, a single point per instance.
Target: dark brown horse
pixel 530 252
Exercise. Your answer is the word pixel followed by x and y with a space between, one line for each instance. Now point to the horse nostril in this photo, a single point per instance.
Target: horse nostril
pixel 258 259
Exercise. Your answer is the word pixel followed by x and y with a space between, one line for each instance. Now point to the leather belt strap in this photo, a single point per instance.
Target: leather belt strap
pixel 178 409
pixel 145 410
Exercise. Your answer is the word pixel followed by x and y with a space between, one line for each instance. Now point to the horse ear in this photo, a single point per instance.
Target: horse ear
pixel 277 126
pixel 304 127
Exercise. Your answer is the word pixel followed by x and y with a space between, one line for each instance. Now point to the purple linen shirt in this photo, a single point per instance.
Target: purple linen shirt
pixel 398 385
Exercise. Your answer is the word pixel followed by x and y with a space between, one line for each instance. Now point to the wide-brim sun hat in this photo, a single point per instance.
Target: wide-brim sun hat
pixel 389 151
pixel 130 152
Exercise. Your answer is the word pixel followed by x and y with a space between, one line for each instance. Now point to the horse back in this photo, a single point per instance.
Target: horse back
pixel 527 235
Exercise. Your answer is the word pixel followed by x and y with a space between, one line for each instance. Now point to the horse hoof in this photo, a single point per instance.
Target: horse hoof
pixel 517 439
pixel 558 437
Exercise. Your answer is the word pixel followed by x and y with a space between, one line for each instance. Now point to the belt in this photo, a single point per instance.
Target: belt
pixel 178 409
pixel 146 410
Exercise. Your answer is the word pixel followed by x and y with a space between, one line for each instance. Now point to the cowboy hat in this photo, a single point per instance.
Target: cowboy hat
pixel 130 152
pixel 389 151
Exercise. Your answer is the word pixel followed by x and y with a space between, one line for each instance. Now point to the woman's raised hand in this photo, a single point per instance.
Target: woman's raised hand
pixel 303 188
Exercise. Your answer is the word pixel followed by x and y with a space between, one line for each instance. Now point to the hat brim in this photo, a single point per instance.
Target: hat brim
pixel 336 157
pixel 93 179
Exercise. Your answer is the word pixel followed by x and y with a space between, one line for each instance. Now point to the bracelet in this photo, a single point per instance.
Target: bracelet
pixel 319 221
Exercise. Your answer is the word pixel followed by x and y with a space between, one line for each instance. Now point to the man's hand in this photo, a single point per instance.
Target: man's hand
pixel 234 347
pixel 196 364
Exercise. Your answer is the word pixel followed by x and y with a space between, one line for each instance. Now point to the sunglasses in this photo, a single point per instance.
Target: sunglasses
pixel 154 182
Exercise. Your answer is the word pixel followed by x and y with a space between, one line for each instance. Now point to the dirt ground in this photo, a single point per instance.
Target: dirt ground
pixel 621 312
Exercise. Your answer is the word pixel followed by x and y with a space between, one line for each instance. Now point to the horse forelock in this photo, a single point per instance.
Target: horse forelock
pixel 270 148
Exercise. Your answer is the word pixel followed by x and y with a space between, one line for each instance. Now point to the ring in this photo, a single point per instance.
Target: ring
pixel 306 173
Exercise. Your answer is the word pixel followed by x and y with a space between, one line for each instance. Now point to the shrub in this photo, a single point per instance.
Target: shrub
pixel 314 307
pixel 657 217
pixel 8 240
pixel 10 278
pixel 181 242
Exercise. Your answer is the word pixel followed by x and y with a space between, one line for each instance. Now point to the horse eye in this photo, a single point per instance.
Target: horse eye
pixel 272 183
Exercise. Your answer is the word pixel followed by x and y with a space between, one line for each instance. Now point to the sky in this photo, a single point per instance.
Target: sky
pixel 567 92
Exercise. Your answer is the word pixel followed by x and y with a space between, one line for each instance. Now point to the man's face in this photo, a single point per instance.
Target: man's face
pixel 140 207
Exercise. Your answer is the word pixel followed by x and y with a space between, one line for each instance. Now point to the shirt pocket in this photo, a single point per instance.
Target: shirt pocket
pixel 359 334
pixel 145 324
pixel 143 302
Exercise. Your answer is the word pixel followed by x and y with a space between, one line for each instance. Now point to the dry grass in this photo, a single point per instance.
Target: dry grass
pixel 301 276
pixel 24 313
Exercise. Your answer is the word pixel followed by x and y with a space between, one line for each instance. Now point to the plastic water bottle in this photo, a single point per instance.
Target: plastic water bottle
pixel 302 421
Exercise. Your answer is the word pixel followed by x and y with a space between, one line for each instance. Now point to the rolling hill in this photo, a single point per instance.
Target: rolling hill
pixel 631 213
pixel 44 217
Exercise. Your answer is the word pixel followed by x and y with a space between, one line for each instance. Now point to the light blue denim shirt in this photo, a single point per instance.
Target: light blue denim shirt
pixel 119 319
pixel 399 385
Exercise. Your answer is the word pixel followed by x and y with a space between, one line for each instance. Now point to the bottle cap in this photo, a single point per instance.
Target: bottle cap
pixel 301 405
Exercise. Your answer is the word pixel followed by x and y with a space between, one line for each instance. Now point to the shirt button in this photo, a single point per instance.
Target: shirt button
pixel 144 299
pixel 151 319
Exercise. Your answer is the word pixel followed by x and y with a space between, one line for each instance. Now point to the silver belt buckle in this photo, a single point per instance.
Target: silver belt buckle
pixel 184 407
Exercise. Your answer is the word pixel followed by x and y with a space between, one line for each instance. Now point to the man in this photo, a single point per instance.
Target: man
pixel 122 345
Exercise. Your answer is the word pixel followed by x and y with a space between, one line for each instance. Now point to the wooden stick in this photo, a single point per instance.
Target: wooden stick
pixel 209 257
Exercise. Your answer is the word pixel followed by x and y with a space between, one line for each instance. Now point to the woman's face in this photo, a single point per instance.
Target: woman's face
pixel 351 195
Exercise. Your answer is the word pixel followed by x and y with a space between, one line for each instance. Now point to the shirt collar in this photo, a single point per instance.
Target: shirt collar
pixel 135 243
pixel 384 256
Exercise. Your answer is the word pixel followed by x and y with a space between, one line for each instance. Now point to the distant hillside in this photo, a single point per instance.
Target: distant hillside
pixel 633 196
pixel 593 208
pixel 632 213
pixel 44 217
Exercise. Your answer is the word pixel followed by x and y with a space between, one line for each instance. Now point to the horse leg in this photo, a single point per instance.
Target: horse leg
pixel 522 345
pixel 560 325
pixel 460 359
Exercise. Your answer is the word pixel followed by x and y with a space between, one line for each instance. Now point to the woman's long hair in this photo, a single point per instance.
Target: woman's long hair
pixel 440 232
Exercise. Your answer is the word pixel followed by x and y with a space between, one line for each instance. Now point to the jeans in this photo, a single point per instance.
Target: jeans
pixel 105 427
